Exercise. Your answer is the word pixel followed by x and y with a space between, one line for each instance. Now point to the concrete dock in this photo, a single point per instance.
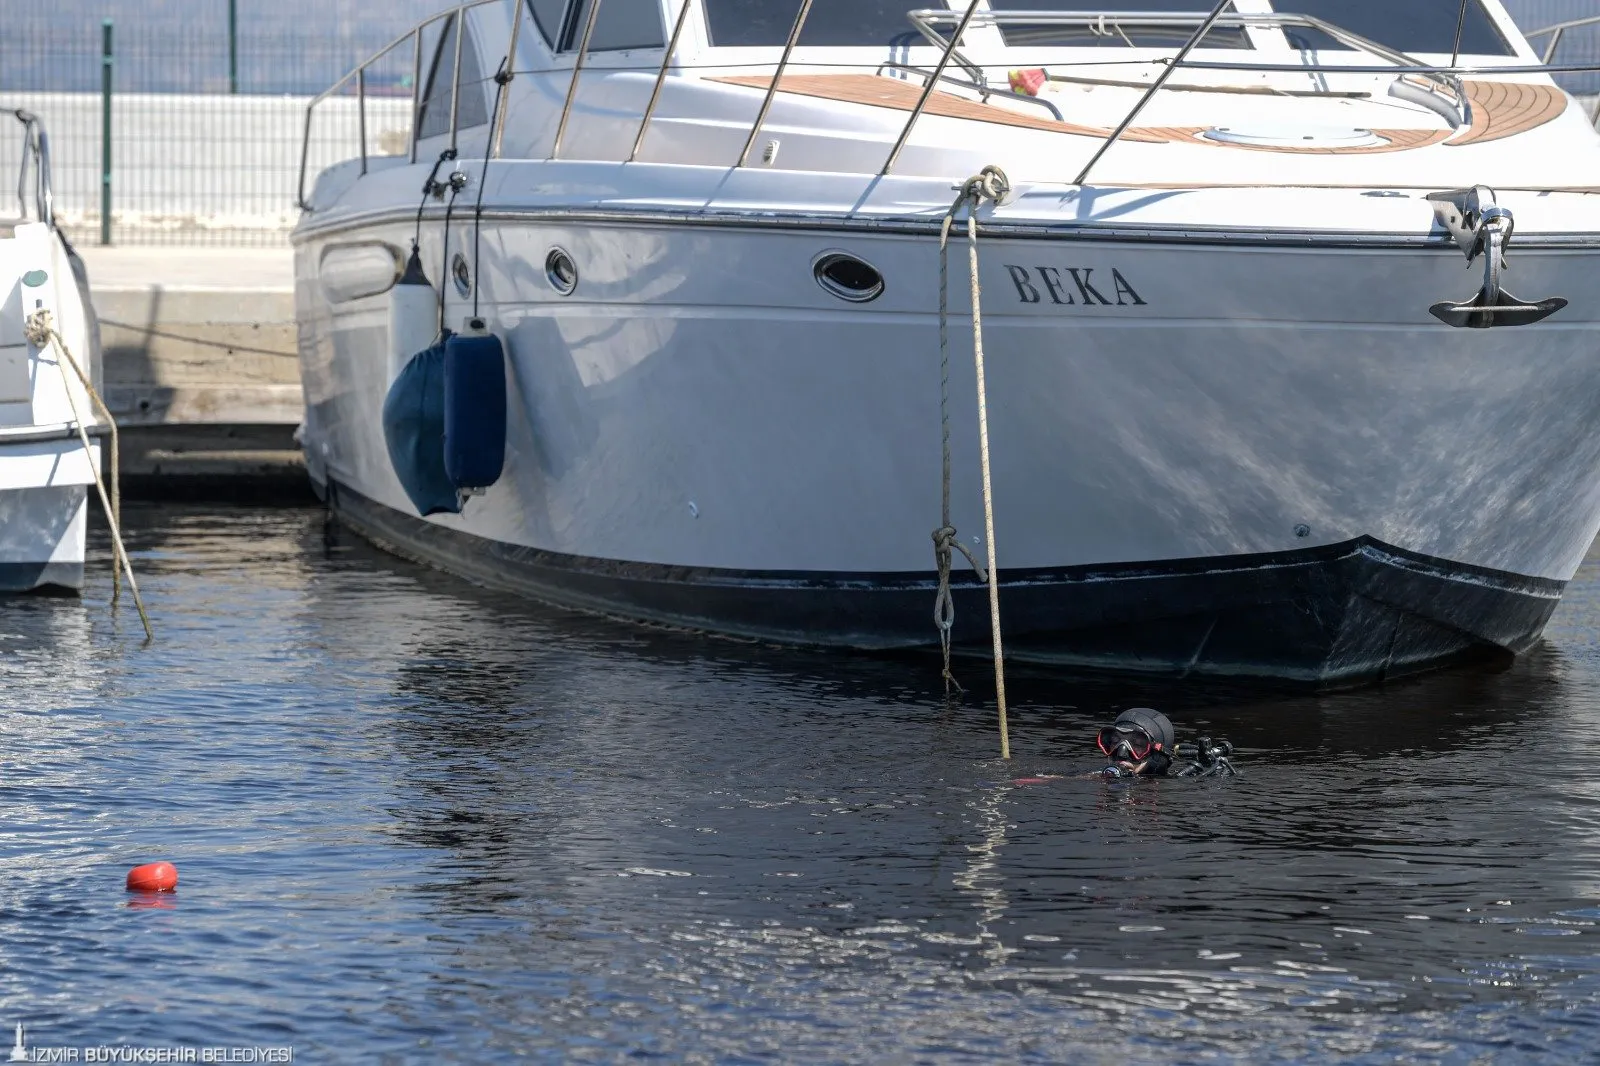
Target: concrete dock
pixel 201 371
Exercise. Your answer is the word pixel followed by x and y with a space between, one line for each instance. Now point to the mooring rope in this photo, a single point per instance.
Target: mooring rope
pixel 41 333
pixel 502 78
pixel 988 184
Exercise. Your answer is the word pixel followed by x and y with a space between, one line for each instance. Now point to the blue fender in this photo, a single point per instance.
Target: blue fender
pixel 414 430
pixel 474 408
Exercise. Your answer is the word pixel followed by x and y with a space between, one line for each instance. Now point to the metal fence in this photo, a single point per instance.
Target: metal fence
pixel 188 140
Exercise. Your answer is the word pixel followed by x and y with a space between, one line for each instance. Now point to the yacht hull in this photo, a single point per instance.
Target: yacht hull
pixel 1210 460
pixel 45 470
pixel 42 537
pixel 1344 613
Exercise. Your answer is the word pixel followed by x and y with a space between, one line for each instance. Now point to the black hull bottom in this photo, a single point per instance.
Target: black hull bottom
pixel 1340 614
pixel 44 577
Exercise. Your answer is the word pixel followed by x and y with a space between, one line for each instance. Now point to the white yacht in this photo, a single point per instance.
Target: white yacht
pixel 1290 347
pixel 49 434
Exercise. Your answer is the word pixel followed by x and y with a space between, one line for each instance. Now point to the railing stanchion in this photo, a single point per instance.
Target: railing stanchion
pixel 661 79
pixel 45 197
pixel 1555 41
pixel 305 155
pixel 460 22
pixel 572 86
pixel 27 121
pixel 233 47
pixel 927 90
pixel 777 75
pixel 416 87
pixel 361 115
pixel 1155 87
pixel 105 132
pixel 509 72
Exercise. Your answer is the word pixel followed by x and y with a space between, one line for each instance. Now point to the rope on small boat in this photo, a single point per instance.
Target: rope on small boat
pixel 42 334
pixel 988 184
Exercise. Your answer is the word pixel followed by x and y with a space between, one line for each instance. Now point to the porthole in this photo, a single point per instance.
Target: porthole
pixel 462 275
pixel 848 277
pixel 561 271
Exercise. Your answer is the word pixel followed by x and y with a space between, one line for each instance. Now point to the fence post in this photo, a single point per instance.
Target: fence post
pixel 105 132
pixel 233 46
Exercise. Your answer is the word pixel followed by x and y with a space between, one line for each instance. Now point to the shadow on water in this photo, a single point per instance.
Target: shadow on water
pixel 1057 711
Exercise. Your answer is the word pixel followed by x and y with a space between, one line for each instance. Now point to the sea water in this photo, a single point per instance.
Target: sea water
pixel 419 821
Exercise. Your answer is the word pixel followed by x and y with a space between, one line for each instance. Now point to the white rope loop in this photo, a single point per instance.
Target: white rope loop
pixel 989 184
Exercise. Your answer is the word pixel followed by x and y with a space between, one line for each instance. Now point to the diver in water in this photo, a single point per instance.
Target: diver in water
pixel 1142 743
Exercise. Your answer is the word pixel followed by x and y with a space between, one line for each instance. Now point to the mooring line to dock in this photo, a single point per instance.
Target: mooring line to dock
pixel 41 333
pixel 988 184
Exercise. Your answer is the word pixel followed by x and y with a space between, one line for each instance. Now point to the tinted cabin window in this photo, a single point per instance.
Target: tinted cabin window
pixel 1109 33
pixel 831 23
pixel 474 107
pixel 436 103
pixel 547 16
pixel 1408 25
pixel 621 24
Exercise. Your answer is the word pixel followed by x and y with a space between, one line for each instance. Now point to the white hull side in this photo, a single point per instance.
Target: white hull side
pixel 42 537
pixel 701 402
pixel 44 469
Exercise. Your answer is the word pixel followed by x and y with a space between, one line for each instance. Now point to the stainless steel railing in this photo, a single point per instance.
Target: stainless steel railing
pixel 35 158
pixel 1111 24
pixel 1557 31
pixel 1447 78
pixel 1449 100
pixel 455 16
pixel 661 78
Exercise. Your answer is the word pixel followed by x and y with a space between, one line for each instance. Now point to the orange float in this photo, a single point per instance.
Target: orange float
pixel 153 877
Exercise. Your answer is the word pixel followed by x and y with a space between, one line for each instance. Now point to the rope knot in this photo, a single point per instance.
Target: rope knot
pixel 944 539
pixel 37 329
pixel 990 183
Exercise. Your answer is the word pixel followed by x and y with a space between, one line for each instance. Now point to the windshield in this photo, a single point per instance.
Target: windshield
pixel 1107 32
pixel 1407 25
pixel 756 23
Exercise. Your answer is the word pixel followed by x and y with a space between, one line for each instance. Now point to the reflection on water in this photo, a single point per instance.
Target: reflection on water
pixel 416 818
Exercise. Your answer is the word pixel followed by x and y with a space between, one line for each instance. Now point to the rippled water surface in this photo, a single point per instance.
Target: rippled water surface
pixel 415 820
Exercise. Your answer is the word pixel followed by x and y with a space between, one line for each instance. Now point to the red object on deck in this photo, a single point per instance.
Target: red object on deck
pixel 153 877
pixel 1027 82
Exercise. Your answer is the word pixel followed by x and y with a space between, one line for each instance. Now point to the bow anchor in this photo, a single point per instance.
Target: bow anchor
pixel 1481 226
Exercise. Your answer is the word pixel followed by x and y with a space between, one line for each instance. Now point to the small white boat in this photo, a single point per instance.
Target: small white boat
pixel 45 411
pixel 1292 347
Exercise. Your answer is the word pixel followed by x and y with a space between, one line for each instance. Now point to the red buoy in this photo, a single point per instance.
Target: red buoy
pixel 153 877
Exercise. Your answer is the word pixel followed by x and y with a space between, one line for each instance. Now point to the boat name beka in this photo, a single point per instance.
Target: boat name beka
pixel 1059 284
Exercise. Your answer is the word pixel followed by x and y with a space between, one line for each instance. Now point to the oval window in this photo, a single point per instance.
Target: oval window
pixel 352 271
pixel 561 271
pixel 848 277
